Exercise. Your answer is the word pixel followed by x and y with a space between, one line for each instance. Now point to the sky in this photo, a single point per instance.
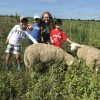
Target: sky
pixel 67 9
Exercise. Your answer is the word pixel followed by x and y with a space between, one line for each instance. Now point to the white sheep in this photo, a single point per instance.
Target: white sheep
pixel 43 53
pixel 90 54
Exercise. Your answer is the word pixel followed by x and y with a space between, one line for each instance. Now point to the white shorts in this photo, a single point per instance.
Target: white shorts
pixel 12 49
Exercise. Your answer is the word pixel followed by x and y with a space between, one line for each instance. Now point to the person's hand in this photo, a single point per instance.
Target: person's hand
pixel 43 31
pixel 74 46
pixel 48 42
pixel 7 41
pixel 29 27
pixel 42 41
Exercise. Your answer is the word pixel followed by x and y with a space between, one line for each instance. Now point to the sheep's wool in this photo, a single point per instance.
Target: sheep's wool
pixel 43 53
pixel 90 54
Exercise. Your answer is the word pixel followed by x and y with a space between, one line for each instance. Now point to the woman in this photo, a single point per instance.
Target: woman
pixel 46 24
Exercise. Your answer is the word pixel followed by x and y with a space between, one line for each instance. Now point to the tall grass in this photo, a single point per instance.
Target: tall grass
pixel 55 82
pixel 85 32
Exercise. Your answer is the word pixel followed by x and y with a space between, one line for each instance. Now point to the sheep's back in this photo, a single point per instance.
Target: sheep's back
pixel 89 53
pixel 43 52
pixel 82 51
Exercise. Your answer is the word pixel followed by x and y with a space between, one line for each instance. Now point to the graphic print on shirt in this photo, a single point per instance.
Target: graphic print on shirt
pixel 20 34
pixel 57 38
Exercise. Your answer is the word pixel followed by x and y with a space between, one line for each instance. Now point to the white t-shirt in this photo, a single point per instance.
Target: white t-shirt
pixel 17 35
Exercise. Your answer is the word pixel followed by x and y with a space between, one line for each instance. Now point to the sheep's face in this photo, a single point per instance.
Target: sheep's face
pixel 75 46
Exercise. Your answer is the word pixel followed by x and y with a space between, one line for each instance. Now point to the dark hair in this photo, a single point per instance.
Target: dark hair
pixel 24 20
pixel 18 20
pixel 58 21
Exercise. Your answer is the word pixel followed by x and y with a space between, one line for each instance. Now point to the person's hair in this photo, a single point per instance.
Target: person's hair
pixel 46 12
pixel 58 21
pixel 50 16
pixel 24 20
pixel 50 23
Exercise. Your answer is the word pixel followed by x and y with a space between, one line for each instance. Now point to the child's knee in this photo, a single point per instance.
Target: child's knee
pixel 17 57
pixel 8 57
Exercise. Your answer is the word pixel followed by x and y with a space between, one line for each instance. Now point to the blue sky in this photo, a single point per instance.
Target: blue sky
pixel 76 9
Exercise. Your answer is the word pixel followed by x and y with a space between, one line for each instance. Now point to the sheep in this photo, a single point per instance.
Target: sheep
pixel 44 53
pixel 90 54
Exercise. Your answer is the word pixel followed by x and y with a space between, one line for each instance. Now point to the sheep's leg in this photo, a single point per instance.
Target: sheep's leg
pixel 30 66
pixel 97 65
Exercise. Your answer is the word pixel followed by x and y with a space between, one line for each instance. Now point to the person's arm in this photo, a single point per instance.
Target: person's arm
pixel 69 41
pixel 51 37
pixel 30 37
pixel 41 31
pixel 10 34
pixel 65 37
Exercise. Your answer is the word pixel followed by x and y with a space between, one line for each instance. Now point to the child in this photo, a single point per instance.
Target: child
pixel 35 29
pixel 57 36
pixel 14 39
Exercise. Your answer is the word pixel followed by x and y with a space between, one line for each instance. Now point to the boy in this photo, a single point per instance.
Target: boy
pixel 35 29
pixel 57 36
pixel 14 39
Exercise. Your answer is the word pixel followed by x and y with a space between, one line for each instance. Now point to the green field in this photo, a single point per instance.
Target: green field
pixel 53 81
